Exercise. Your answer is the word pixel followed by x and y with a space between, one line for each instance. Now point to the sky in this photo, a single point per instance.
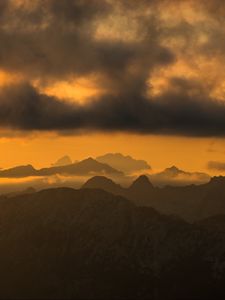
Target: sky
pixel 82 78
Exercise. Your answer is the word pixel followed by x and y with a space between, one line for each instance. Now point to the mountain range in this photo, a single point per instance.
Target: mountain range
pixel 85 167
pixel 113 165
pixel 191 202
pixel 176 177
pixel 63 161
pixel 126 164
pixel 89 244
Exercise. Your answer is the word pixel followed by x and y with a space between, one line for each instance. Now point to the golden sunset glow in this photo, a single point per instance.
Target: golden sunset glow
pixel 9 78
pixel 78 90
pixel 158 151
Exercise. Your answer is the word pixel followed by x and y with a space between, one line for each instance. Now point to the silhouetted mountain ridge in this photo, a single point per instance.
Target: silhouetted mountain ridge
pixel 19 171
pixel 176 177
pixel 85 167
pixel 90 244
pixel 191 202
pixel 142 182
pixel 104 183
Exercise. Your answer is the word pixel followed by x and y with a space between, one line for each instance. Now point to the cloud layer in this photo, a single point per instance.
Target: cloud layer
pixel 50 41
pixel 175 112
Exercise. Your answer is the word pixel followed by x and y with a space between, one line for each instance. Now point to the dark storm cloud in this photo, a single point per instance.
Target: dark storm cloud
pixel 52 40
pixel 22 107
pixel 77 11
pixel 3 7
pixel 56 39
pixel 215 8
pixel 180 111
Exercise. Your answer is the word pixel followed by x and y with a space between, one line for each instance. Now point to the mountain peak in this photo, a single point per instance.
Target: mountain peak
pixel 102 182
pixel 99 181
pixel 125 163
pixel 173 169
pixel 63 161
pixel 89 159
pixel 25 167
pixel 18 171
pixel 142 182
pixel 97 167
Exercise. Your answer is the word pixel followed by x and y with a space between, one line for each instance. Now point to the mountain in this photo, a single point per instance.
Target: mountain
pixel 85 167
pixel 18 172
pixel 103 183
pixel 89 244
pixel 173 171
pixel 127 164
pixel 29 190
pixel 141 183
pixel 139 189
pixel 176 177
pixel 193 202
pixel 63 161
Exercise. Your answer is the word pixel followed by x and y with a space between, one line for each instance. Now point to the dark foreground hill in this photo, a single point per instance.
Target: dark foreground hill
pixel 90 244
pixel 192 203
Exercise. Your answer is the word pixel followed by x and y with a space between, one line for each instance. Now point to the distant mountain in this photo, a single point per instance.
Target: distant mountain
pixel 173 171
pixel 141 183
pixel 193 202
pixel 18 172
pixel 85 167
pixel 138 188
pixel 89 244
pixel 176 177
pixel 63 161
pixel 103 183
pixel 127 164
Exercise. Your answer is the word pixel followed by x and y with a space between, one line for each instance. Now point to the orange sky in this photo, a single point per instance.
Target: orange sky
pixel 160 151
pixel 190 63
